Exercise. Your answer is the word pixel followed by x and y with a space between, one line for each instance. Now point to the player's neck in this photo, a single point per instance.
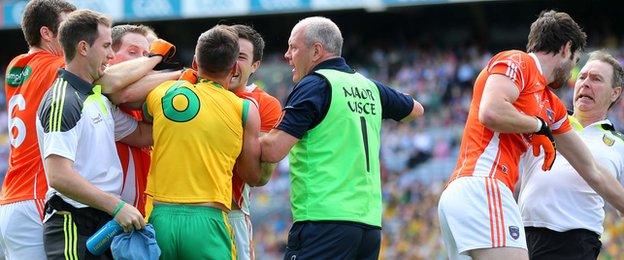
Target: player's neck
pixel 587 118
pixel 548 63
pixel 44 47
pixel 240 88
pixel 79 69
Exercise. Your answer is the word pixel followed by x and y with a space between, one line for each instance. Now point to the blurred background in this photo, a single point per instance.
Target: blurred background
pixel 431 49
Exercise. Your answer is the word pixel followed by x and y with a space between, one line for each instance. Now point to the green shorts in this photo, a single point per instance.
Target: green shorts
pixel 192 232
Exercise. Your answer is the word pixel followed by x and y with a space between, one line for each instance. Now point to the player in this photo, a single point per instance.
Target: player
pixel 513 110
pixel 200 131
pixel 251 47
pixel 28 77
pixel 131 42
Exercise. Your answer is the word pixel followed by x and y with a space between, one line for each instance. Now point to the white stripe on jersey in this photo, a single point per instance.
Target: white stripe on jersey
pixel 512 72
pixel 488 158
pixel 129 186
pixel 558 124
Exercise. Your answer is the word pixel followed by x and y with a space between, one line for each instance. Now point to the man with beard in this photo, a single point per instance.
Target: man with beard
pixel 514 113
pixel 564 221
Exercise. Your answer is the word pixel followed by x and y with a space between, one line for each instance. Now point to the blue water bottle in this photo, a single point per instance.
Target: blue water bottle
pixel 102 239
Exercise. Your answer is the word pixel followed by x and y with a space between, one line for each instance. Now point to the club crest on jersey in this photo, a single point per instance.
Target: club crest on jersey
pixel 514 232
pixel 550 114
pixel 608 140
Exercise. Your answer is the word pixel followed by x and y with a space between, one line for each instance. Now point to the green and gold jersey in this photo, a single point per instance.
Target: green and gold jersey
pixel 198 134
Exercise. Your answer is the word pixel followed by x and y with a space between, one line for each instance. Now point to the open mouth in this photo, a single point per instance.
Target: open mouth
pixel 580 96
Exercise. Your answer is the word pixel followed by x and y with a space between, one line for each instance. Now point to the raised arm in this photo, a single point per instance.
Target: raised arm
pixel 576 152
pixel 496 110
pixel 417 111
pixel 135 93
pixel 120 75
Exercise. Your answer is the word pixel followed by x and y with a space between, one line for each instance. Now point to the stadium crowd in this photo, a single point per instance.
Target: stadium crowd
pixel 417 158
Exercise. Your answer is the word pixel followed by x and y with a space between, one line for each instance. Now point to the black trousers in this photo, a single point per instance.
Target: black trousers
pixel 66 232
pixel 579 244
pixel 332 240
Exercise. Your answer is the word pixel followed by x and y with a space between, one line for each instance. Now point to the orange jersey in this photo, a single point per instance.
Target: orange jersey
pixel 270 111
pixel 487 153
pixel 135 163
pixel 28 77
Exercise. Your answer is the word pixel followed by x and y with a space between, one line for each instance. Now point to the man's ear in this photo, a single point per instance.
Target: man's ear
pixel 615 94
pixel 566 49
pixel 255 66
pixel 194 64
pixel 82 48
pixel 46 33
pixel 235 69
pixel 318 50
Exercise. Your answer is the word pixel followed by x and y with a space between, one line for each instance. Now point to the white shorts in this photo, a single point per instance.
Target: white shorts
pixel 479 212
pixel 243 234
pixel 21 230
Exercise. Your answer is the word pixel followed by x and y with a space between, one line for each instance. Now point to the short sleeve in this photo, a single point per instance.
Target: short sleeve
pixel 306 106
pixel 395 105
pixel 514 66
pixel 60 143
pixel 560 124
pixel 270 112
pixel 619 171
pixel 60 132
pixel 124 124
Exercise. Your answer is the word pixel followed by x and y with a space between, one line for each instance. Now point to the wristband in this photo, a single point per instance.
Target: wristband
pixel 120 205
pixel 539 125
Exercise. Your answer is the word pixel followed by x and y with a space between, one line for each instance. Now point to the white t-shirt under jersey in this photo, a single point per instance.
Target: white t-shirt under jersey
pixel 560 199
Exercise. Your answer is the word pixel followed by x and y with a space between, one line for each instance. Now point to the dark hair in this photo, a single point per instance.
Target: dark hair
pixel 118 32
pixel 552 30
pixel 217 50
pixel 39 13
pixel 248 33
pixel 618 72
pixel 80 25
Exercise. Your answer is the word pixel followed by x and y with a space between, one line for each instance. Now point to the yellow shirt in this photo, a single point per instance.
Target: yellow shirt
pixel 198 133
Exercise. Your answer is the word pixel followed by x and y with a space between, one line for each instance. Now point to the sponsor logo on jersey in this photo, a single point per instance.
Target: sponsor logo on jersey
pixel 17 75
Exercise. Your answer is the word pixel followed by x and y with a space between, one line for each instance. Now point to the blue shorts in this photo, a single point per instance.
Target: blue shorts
pixel 333 240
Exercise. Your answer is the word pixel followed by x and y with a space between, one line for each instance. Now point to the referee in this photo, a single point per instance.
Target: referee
pixel 562 214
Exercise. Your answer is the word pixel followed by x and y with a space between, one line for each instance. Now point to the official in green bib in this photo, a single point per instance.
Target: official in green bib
pixel 331 130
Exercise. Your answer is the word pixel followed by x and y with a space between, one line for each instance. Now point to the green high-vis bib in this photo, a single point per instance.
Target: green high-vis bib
pixel 335 166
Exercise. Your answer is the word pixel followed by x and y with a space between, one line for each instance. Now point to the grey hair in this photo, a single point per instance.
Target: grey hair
pixel 618 72
pixel 324 31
